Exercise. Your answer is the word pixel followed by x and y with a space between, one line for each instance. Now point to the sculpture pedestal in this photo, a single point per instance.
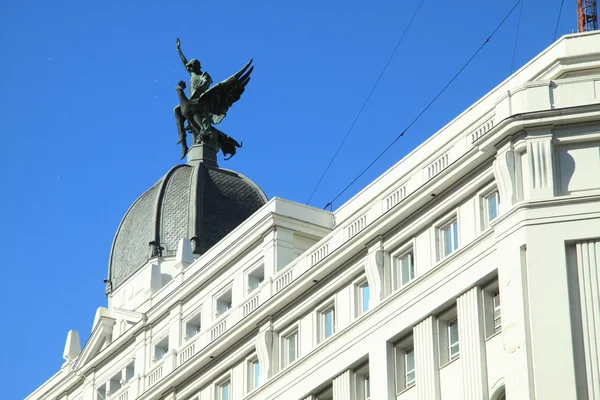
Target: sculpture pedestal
pixel 202 153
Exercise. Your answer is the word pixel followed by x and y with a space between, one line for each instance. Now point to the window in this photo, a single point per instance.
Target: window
pixel 448 337
pixel 448 238
pixel 492 310
pixel 223 391
pixel 362 380
pixel 363 295
pixel 404 271
pixel 409 367
pixel 161 348
pixel 253 374
pixel 289 348
pixel 223 302
pixel 192 326
pixel 129 371
pixel 489 202
pixel 326 323
pixel 256 277
pixel 453 350
pixel 405 364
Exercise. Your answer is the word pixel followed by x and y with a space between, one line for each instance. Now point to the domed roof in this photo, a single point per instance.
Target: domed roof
pixel 198 200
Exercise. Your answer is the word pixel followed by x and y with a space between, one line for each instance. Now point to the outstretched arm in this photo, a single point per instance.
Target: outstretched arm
pixel 183 59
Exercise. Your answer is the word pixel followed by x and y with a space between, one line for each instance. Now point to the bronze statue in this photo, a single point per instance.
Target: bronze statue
pixel 205 106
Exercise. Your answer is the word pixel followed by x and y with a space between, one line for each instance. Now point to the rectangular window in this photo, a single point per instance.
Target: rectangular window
pixel 192 327
pixel 161 348
pixel 405 270
pixel 448 238
pixel 224 391
pixel 256 277
pixel 409 367
pixel 289 348
pixel 404 362
pixel 363 295
pixel 367 387
pixel 491 206
pixel 223 302
pixel 497 312
pixel 453 350
pixel 253 374
pixel 492 310
pixel 326 323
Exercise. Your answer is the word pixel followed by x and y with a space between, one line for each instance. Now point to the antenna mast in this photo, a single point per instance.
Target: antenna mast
pixel 587 15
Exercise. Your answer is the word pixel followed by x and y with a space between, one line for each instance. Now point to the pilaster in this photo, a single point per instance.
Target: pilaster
pixel 427 371
pixel 504 172
pixel 588 271
pixel 342 386
pixel 266 350
pixel 540 158
pixel 382 371
pixel 175 333
pixel 472 344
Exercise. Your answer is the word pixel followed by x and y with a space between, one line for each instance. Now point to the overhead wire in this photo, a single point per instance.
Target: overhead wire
pixel 558 19
pixel 512 63
pixel 365 102
pixel 427 106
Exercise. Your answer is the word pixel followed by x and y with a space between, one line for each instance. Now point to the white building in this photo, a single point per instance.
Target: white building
pixel 468 270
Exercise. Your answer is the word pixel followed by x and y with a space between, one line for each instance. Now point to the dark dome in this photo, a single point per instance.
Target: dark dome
pixel 198 200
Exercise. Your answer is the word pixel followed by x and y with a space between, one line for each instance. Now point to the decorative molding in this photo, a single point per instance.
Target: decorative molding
pixel 356 226
pixel 342 386
pixel 264 350
pixel 374 269
pixel 540 157
pixel 482 129
pixel 394 198
pixel 504 172
pixel 319 254
pixel 437 166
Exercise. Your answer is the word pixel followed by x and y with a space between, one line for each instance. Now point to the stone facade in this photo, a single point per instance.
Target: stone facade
pixel 468 270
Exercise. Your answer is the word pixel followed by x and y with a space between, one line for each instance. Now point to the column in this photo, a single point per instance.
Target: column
pixel 471 338
pixel 342 386
pixel 588 271
pixel 382 371
pixel 427 369
pixel 175 334
pixel 278 246
pixel 540 159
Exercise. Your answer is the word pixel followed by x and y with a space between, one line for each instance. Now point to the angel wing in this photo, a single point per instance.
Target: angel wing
pixel 220 97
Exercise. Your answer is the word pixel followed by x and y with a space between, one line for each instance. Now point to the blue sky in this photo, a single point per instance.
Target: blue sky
pixel 86 117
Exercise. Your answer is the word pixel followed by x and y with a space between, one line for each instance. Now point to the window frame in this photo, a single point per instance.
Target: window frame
pixel 217 299
pixel 283 346
pixel 159 344
pixel 447 222
pixel 397 273
pixel 197 314
pixel 320 314
pixel 400 350
pixel 483 196
pixel 412 371
pixel 358 296
pixel 445 320
pixel 225 380
pixel 490 308
pixel 250 273
pixel 252 379
pixel 362 382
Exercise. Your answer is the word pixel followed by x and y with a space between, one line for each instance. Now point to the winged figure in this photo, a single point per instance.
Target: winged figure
pixel 207 106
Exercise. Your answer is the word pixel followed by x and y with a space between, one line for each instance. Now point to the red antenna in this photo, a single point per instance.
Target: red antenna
pixel 587 15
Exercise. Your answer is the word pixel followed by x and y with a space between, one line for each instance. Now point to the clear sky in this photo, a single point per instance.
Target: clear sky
pixel 87 124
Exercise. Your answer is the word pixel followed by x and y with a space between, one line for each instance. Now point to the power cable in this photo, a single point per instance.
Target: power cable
pixel 558 19
pixel 512 64
pixel 366 101
pixel 426 107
